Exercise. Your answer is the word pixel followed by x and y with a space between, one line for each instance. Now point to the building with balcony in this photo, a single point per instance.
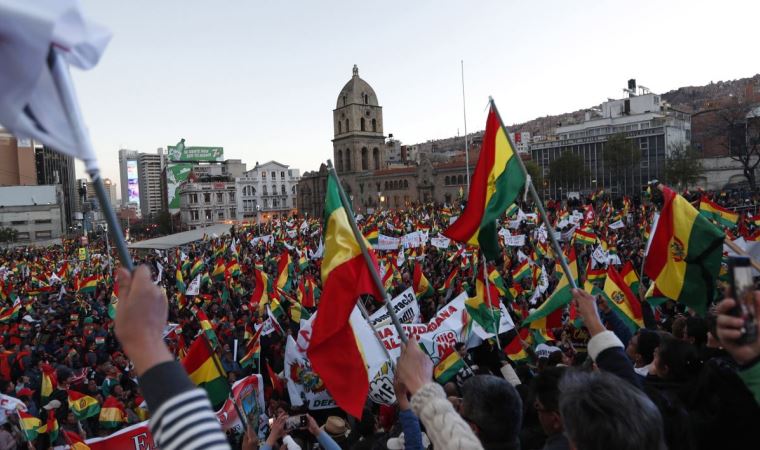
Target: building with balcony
pixel 206 201
pixel 268 190
pixel 37 213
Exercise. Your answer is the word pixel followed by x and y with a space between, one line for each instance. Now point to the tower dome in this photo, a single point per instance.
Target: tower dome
pixel 356 91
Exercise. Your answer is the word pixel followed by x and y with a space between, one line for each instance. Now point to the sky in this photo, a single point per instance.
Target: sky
pixel 261 78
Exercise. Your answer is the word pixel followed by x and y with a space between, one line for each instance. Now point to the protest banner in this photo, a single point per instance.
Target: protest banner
pixel 133 437
pixel 440 242
pixel 387 242
pixel 406 307
pixel 248 394
pixel 8 405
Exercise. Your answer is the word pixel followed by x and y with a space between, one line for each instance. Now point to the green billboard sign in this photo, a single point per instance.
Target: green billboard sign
pixel 176 174
pixel 181 153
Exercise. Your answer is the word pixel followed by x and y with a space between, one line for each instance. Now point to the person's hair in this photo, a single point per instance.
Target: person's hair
pixel 648 340
pixel 680 357
pixel 623 417
pixel 458 346
pixel 546 387
pixel 696 327
pixel 678 327
pixel 495 407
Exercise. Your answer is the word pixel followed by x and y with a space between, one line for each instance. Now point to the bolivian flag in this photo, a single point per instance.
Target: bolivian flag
pixel 283 271
pixel 29 425
pixel 498 282
pixel 260 295
pixel 448 367
pixel 560 297
pixel 200 366
pixel 48 383
pixel 522 271
pixel 233 268
pixel 196 269
pixel 584 237
pixel 11 312
pixel 180 283
pixel 88 285
pixel 594 275
pixel 206 326
pixel 496 183
pixel 372 234
pixel 51 427
pixel 219 267
pixel 422 287
pixel 298 312
pixel 449 280
pixel 253 351
pixel 684 257
pixel 621 299
pixel 333 349
pixel 630 278
pixel 484 306
pixel 514 350
pixel 714 211
pixel 83 406
pixel 112 414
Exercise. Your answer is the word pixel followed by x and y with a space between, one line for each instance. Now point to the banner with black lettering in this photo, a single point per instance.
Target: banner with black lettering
pixel 406 307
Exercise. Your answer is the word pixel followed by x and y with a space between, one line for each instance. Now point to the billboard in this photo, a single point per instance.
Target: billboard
pixel 133 187
pixel 176 174
pixel 181 153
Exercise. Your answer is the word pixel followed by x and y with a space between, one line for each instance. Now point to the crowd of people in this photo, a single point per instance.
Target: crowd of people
pixel 73 324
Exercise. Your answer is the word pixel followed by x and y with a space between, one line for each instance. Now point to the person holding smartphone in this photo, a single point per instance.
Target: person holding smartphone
pixel 746 353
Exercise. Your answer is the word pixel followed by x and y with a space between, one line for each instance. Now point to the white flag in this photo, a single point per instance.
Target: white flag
pixel 195 286
pixel 30 105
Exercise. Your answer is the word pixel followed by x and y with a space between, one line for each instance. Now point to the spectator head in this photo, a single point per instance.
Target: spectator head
pixel 63 375
pixel 546 399
pixel 696 331
pixel 678 328
pixel 624 418
pixel 493 408
pixel 676 360
pixel 641 347
pixel 461 349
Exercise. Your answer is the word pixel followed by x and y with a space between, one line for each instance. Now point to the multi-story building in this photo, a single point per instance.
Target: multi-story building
pixel 649 123
pixel 149 169
pixel 57 168
pixel 269 189
pixel 128 177
pixel 17 157
pixel 37 213
pixel 205 201
pixel 110 188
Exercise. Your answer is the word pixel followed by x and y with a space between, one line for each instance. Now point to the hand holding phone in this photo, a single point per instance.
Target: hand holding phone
pixel 296 422
pixel 743 293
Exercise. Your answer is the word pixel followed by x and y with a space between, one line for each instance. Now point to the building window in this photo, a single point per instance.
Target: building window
pixel 208 214
pixel 348 160
pixel 283 190
pixel 220 214
pixel 45 234
pixel 41 221
pixel 274 202
pixel 219 197
pixel 232 196
pixel 347 128
pixel 274 190
pixel 263 175
pixel 207 197
pixel 361 124
pixel 266 203
pixel 339 160
pixel 374 125
pixel 376 157
pixel 293 189
pixel 365 158
pixel 19 222
pixel 282 175
pixel 233 213
pixel 274 175
pixel 194 215
pixel 406 184
pixel 22 236
pixel 340 127
pixel 366 99
pixel 265 190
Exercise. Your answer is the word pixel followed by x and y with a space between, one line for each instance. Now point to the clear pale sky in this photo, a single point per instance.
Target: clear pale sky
pixel 261 78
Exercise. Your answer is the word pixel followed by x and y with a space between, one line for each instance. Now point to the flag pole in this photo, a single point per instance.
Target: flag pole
pixel 221 371
pixel 555 244
pixel 466 146
pixel 65 88
pixel 488 297
pixel 367 258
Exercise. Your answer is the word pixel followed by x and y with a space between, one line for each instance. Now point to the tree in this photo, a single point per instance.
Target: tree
pixel 536 177
pixel 737 127
pixel 683 167
pixel 8 234
pixel 620 157
pixel 567 170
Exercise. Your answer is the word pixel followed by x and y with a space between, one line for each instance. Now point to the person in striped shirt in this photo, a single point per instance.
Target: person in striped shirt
pixel 181 414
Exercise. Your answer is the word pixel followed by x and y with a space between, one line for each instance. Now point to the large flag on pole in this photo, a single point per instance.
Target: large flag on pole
pixel 333 351
pixel 496 183
pixel 30 106
pixel 560 297
pixel 685 253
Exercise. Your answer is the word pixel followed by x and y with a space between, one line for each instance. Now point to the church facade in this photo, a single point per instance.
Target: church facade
pixel 360 157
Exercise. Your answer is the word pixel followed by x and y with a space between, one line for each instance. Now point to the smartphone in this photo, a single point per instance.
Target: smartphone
pixel 743 292
pixel 296 422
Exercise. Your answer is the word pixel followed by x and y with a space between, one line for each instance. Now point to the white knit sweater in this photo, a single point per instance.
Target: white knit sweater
pixel 444 426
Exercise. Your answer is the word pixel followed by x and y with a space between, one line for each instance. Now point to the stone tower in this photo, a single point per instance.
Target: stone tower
pixel 358 145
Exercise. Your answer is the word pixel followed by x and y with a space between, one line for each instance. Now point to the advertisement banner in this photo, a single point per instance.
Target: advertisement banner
pixel 176 174
pixel 180 153
pixel 133 186
pixel 133 437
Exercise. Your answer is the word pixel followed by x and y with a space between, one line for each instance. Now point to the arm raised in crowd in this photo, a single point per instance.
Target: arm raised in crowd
pixel 747 355
pixel 182 417
pixel 444 426
pixel 605 348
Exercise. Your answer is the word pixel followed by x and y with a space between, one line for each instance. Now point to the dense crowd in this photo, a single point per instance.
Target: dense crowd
pixel 671 382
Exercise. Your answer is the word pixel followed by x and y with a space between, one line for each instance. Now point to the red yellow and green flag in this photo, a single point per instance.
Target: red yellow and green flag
pixel 622 300
pixel 29 425
pixel 83 406
pixel 205 373
pixel 112 414
pixel 719 214
pixel 450 364
pixel 497 181
pixel 422 287
pixel 559 298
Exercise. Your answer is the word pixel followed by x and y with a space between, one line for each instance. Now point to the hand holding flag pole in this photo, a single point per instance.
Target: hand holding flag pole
pixel 367 258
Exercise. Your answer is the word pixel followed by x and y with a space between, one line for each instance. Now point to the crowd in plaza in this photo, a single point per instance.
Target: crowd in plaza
pixel 571 378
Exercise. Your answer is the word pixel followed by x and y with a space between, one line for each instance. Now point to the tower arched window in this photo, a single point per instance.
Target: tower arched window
pixel 344 100
pixel 406 184
pixel 376 157
pixel 340 127
pixel 361 124
pixel 348 167
pixel 365 157
pixel 374 124
pixel 366 99
pixel 339 160
pixel 386 185
pixel 446 181
pixel 460 179
pixel 347 127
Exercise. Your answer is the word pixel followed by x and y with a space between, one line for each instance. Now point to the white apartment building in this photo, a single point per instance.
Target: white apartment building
pixel 269 189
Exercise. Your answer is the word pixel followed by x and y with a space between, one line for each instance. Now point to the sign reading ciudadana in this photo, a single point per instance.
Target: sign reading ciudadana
pixel 180 152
